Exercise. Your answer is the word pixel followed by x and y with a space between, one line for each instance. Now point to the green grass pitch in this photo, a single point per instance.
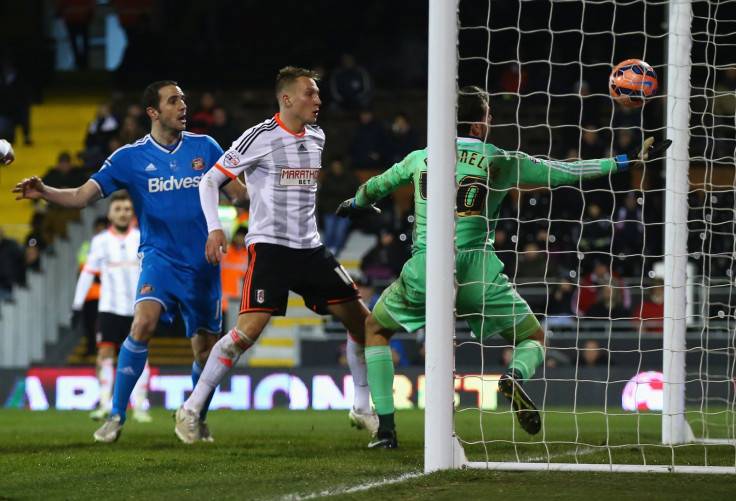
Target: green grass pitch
pixel 293 455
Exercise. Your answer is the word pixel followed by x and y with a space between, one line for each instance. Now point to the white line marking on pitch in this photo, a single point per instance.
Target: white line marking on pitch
pixel 345 490
pixel 576 452
pixel 407 476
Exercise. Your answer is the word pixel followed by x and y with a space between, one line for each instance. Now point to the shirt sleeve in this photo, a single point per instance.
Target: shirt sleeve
pixel 108 178
pixel 227 167
pixel 93 263
pixel 209 197
pixel 80 293
pixel 514 167
pixel 400 174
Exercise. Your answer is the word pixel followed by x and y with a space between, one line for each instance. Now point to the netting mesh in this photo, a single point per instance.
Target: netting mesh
pixel 589 258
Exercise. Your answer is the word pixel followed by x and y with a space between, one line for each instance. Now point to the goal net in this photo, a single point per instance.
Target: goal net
pixel 630 275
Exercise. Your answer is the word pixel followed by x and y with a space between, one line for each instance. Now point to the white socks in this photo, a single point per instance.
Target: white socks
pixel 356 361
pixel 105 375
pixel 139 397
pixel 223 357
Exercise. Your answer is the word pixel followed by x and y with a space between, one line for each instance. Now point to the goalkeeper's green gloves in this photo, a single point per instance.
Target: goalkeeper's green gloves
pixel 649 151
pixel 349 209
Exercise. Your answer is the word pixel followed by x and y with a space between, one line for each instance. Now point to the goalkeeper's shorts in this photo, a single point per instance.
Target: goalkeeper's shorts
pixel 485 298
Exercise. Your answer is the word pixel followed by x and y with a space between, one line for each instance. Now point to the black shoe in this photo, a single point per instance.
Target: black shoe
pixel 526 411
pixel 384 440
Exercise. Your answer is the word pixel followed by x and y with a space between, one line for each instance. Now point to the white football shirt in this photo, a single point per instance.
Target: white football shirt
pixel 281 170
pixel 115 258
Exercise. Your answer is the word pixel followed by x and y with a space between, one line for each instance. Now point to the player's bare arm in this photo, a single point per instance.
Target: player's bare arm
pixel 236 192
pixel 33 188
pixel 216 246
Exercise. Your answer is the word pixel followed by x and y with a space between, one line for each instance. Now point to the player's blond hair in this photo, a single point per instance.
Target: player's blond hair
pixel 289 74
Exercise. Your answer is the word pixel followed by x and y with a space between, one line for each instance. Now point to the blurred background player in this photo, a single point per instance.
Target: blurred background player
pixel 480 167
pixel 87 317
pixel 284 247
pixel 113 255
pixel 233 267
pixel 160 172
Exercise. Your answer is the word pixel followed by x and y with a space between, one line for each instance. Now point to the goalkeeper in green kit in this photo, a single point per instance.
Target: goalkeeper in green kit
pixel 485 298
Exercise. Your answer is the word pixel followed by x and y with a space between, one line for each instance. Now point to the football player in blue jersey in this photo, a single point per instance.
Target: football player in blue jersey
pixel 161 172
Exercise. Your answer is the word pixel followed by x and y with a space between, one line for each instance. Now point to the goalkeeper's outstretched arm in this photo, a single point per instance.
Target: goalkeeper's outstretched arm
pixel 525 169
pixel 377 187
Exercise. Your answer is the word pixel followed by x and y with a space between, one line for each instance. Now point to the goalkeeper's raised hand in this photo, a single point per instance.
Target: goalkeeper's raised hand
pixel 349 209
pixel 649 151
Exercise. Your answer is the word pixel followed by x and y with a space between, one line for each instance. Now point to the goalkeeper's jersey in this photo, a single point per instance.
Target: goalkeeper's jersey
pixel 485 173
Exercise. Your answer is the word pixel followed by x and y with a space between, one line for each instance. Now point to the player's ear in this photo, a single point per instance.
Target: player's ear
pixel 152 112
pixel 475 130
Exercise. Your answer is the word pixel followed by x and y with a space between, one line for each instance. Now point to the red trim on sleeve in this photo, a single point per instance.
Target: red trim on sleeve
pixel 225 171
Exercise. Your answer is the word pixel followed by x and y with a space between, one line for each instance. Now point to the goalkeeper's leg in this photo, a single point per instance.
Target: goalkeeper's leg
pixel 381 381
pixel 527 356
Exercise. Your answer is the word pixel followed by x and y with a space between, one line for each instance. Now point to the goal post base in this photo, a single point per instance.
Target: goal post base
pixel 611 468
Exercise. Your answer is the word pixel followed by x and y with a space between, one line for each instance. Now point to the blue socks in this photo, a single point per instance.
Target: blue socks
pixel 196 372
pixel 131 361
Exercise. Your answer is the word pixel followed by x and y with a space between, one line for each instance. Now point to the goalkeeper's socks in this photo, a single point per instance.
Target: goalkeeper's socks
pixel 196 372
pixel 516 375
pixel 131 361
pixel 223 357
pixel 527 356
pixel 355 353
pixel 380 365
pixel 386 423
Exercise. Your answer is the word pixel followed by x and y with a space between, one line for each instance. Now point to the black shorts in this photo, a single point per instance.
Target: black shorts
pixel 113 329
pixel 314 274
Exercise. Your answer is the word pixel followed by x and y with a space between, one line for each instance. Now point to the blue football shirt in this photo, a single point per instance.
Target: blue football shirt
pixel 164 186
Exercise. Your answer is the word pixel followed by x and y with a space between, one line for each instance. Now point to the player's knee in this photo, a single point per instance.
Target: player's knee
pixel 375 333
pixel 105 352
pixel 352 315
pixel 201 357
pixel 538 336
pixel 143 328
pixel 202 344
pixel 371 325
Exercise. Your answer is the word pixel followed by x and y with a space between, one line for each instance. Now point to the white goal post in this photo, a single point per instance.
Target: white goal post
pixel 444 448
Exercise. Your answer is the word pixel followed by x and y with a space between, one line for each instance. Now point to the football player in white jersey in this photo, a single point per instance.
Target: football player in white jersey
pixel 113 255
pixel 281 159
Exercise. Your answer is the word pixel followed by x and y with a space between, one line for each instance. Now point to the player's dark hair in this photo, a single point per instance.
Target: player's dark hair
pixel 151 97
pixel 471 109
pixel 119 195
pixel 289 74
pixel 101 221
